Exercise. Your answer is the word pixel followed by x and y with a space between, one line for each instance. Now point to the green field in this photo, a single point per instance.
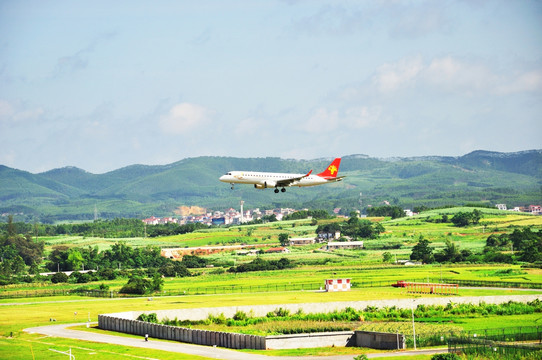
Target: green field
pixel 364 267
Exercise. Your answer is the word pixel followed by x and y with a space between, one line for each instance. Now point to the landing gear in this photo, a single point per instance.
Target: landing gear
pixel 232 186
pixel 277 190
pixel 283 190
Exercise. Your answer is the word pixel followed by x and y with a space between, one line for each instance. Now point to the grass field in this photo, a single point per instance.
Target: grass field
pixel 314 267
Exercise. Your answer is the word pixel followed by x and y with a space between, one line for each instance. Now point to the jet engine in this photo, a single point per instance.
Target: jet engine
pixel 265 185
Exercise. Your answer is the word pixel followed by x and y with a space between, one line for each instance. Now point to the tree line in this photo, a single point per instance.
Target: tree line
pixel 116 228
pixel 522 245
pixel 354 228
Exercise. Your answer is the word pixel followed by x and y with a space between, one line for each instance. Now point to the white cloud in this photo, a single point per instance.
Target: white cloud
pixel 526 82
pixel 413 21
pixel 322 120
pixel 6 111
pixel 184 117
pixel 362 117
pixel 328 120
pixel 390 77
pixel 12 113
pixel 248 126
pixel 452 75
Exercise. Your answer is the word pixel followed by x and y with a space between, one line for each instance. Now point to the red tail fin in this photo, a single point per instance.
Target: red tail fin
pixel 332 169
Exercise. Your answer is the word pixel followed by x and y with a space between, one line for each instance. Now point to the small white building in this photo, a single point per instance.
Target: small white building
pixel 337 285
pixel 501 206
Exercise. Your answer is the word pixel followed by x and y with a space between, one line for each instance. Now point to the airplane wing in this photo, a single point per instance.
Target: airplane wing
pixel 338 178
pixel 290 181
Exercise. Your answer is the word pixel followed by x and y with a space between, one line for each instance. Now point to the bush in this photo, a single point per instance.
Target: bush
pixel 136 285
pixel 361 357
pixel 240 316
pixel 152 318
pixel 446 356
pixel 59 277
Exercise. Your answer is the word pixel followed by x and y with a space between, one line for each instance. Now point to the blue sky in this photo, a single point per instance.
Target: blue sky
pixel 105 84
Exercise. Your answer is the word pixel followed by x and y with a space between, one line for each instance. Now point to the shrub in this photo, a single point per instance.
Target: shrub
pixel 446 356
pixel 59 277
pixel 136 285
pixel 240 316
pixel 152 318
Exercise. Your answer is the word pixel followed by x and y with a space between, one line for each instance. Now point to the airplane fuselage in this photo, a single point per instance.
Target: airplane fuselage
pixel 265 180
pixel 270 180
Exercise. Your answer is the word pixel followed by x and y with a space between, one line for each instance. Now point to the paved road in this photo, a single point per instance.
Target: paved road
pixel 207 351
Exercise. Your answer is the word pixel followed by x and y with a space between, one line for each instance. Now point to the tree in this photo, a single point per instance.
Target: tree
pixel 284 239
pixel 157 283
pixel 476 215
pixel 464 218
pixel 13 244
pixel 75 259
pixel 450 253
pixel 12 266
pixel 58 259
pixel 422 251
pixel 461 219
pixel 387 257
pixel 393 211
pixel 361 228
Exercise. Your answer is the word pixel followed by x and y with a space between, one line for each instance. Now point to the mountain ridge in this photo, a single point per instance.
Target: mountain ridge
pixel 70 193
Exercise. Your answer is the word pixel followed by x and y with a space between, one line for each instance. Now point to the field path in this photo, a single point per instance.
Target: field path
pixel 207 351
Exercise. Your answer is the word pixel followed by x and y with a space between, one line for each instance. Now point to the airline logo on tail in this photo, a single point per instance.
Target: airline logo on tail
pixel 332 169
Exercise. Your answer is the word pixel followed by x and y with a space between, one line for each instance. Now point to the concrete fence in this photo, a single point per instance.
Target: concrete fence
pixel 369 339
pixel 380 340
pixel 175 333
pixel 297 341
pixel 126 322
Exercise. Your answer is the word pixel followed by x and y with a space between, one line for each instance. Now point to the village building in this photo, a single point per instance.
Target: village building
pixel 344 245
pixel 535 209
pixel 301 241
pixel 275 250
pixel 325 236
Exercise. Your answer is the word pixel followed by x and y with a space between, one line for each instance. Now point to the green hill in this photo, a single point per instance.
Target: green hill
pixel 139 190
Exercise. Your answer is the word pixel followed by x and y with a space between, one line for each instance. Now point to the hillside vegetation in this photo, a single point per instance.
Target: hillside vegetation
pixel 141 191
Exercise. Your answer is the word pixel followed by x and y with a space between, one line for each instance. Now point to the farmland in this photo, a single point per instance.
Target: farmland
pixel 369 274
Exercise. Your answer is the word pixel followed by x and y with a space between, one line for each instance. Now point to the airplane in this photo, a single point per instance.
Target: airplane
pixel 265 180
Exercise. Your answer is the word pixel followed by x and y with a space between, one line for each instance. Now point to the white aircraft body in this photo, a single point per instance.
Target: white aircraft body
pixel 264 180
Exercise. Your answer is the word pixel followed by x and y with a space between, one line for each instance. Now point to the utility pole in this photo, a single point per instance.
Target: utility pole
pixel 413 327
